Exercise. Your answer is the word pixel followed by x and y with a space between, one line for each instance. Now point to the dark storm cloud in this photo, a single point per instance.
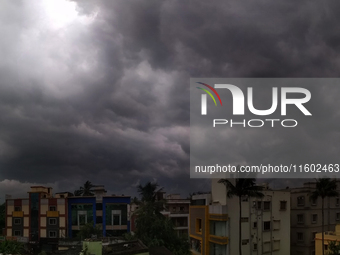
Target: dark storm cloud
pixel 106 96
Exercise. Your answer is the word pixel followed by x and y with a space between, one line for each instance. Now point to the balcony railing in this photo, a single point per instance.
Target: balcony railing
pixel 18 214
pixel 52 214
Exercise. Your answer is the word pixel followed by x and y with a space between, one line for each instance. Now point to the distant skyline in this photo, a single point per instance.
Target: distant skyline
pixel 99 90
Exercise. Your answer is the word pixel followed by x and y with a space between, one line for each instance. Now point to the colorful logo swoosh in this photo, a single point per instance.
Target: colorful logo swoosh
pixel 208 92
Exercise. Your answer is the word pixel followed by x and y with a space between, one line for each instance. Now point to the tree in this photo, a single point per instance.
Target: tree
pixel 88 230
pixel 325 187
pixel 153 228
pixel 86 189
pixel 334 248
pixel 77 192
pixel 242 187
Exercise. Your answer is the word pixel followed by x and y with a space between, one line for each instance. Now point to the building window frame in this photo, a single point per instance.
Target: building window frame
pixel 198 226
pixel 267 205
pixel 283 205
pixel 52 208
pixel 17 221
pixel 54 235
pixel 17 208
pixel 267 226
pixel 314 220
pixel 17 232
pixel 300 219
pixel 116 213
pixel 300 201
pixel 51 220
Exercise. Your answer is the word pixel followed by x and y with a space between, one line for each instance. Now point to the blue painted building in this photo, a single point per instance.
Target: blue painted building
pixel 111 213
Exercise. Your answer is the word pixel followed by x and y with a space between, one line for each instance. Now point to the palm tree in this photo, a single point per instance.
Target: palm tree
pixel 86 189
pixel 325 187
pixel 149 199
pixel 77 192
pixel 242 187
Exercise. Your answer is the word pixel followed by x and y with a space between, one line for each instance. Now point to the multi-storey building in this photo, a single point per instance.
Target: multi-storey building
pixel 214 228
pixel 43 215
pixel 306 217
pixel 178 209
pixel 39 216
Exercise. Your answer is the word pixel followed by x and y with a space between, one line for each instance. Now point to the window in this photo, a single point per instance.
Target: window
pixel 326 247
pixel 245 241
pixel 17 233
pixel 255 246
pixel 300 236
pixel 82 218
pixel 259 205
pixel 313 236
pixel 52 221
pixel 266 226
pixel 181 208
pixel 52 234
pixel 255 225
pixel 174 209
pixel 314 218
pixel 337 216
pixel 283 205
pixel 244 219
pixel 301 201
pixel 244 199
pixel 17 208
pixel 17 221
pixel 116 217
pixel 314 201
pixel 53 208
pixel 266 205
pixel 199 225
pixel 300 219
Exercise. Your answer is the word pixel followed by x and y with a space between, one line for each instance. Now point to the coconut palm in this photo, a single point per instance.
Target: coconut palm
pixel 242 187
pixel 86 189
pixel 325 187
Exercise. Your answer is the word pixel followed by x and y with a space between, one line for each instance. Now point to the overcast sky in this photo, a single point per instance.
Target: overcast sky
pixel 99 90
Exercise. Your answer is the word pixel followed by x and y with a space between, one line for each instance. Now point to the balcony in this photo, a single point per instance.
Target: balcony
pixel 218 212
pixel 52 214
pixel 18 214
pixel 219 239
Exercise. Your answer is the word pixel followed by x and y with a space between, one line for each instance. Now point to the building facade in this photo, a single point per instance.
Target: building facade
pixel 178 212
pixel 43 215
pixel 265 223
pixel 306 218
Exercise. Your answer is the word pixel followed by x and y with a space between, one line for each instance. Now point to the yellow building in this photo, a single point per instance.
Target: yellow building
pixel 328 237
pixel 214 223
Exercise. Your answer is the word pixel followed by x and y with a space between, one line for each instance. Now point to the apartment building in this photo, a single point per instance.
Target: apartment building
pixel 39 216
pixel 178 209
pixel 214 226
pixel 43 215
pixel 306 218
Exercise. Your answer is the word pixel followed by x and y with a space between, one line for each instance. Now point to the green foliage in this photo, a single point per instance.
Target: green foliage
pixel 129 237
pixel 43 253
pixel 334 248
pixel 11 247
pixel 88 230
pixel 153 228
